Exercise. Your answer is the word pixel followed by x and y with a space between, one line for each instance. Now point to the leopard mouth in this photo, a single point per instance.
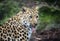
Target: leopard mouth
pixel 33 27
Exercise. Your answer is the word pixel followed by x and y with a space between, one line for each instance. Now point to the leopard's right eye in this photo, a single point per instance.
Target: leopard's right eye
pixel 30 16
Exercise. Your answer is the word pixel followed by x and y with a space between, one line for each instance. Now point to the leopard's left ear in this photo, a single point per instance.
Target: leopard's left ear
pixel 24 9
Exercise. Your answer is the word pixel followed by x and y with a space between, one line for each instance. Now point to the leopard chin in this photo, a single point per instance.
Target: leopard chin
pixel 31 29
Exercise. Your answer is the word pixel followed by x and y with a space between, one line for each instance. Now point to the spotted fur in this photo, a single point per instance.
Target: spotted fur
pixel 18 27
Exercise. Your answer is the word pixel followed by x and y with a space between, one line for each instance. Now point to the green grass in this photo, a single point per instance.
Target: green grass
pixel 8 9
pixel 47 16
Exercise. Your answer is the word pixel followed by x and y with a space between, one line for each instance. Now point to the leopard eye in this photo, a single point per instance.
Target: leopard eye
pixel 36 16
pixel 30 16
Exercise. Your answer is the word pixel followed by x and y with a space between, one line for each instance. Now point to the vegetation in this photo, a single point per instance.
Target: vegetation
pixel 48 15
pixel 8 8
pixel 51 2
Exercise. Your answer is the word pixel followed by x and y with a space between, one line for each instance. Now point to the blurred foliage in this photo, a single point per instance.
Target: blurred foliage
pixel 48 15
pixel 50 2
pixel 8 8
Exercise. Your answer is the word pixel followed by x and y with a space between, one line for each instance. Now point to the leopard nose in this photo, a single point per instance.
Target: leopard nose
pixel 35 24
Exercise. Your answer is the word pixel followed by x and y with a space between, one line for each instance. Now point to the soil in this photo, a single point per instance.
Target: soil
pixel 47 35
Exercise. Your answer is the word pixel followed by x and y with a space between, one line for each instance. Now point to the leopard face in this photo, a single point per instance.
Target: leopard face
pixel 30 20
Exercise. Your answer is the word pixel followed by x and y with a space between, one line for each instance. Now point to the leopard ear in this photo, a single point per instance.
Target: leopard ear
pixel 37 7
pixel 23 9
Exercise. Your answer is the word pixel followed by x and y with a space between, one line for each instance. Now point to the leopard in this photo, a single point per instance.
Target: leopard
pixel 21 26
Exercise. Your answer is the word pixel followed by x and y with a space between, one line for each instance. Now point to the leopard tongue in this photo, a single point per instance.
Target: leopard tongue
pixel 33 30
